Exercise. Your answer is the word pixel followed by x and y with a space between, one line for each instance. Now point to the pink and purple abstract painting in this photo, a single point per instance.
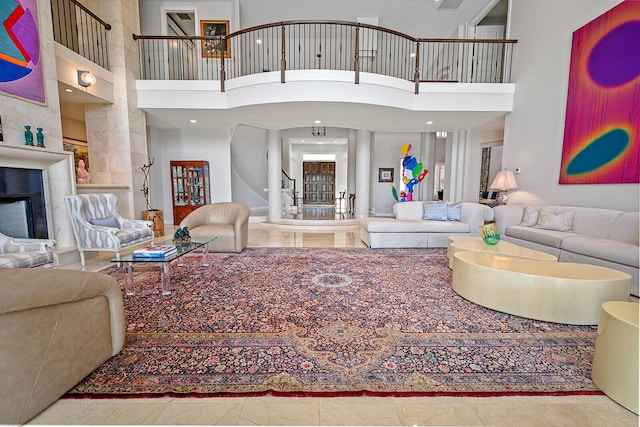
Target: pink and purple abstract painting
pixel 602 125
pixel 21 71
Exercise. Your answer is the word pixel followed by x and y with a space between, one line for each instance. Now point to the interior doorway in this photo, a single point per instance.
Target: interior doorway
pixel 318 183
pixel 491 164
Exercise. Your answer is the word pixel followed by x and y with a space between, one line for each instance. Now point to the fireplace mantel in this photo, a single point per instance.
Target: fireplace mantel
pixel 58 179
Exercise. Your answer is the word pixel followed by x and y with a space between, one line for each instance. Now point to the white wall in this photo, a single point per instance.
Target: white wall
pixel 249 167
pixel 534 130
pixel 166 145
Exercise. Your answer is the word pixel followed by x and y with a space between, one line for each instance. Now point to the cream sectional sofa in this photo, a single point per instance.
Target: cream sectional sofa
pixel 409 229
pixel 604 237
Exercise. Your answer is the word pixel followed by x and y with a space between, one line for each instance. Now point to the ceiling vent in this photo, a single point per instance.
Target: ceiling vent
pixel 449 4
pixel 184 16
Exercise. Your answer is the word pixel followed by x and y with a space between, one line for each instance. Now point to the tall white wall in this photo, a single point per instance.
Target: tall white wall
pixel 534 130
pixel 197 144
pixel 249 167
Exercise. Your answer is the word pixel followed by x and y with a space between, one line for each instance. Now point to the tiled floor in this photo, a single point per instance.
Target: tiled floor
pixel 269 410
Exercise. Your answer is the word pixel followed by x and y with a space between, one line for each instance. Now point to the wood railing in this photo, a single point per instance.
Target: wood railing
pixel 324 45
pixel 79 29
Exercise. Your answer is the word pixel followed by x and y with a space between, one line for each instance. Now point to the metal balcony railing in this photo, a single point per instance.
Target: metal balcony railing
pixel 324 45
pixel 79 29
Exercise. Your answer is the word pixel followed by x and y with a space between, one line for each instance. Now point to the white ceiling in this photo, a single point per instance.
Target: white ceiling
pixel 420 18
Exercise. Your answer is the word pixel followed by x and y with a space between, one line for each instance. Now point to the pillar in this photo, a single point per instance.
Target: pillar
pixel 116 133
pixel 274 174
pixel 363 173
pixel 456 165
pixel 351 162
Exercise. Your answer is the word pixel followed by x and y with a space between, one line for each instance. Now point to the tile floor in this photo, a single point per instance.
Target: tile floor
pixel 268 410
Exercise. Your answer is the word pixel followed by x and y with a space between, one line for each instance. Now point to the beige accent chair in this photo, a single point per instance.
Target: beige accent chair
pixel 56 327
pixel 98 226
pixel 27 253
pixel 227 221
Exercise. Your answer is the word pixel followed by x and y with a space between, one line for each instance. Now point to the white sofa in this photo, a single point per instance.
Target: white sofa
pixel 603 237
pixel 409 230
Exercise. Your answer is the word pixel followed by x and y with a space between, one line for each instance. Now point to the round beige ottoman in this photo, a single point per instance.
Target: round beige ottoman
pixel 615 361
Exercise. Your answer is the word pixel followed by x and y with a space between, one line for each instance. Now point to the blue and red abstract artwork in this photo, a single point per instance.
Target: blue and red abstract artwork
pixel 602 124
pixel 20 63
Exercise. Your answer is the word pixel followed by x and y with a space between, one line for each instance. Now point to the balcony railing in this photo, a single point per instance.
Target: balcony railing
pixel 79 29
pixel 324 45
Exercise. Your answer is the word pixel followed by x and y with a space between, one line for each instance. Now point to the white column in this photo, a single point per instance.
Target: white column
pixel 274 174
pixel 428 156
pixel 456 165
pixel 351 162
pixel 363 173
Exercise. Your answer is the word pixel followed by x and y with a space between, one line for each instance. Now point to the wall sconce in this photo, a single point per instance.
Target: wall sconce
pixel 85 78
pixel 504 181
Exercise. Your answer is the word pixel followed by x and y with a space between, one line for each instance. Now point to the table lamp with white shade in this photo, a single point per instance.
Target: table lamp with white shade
pixel 504 181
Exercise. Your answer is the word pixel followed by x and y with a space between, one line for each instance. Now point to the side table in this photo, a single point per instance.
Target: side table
pixel 615 361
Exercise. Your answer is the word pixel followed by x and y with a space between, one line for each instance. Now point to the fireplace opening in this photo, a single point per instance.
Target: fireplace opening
pixel 22 203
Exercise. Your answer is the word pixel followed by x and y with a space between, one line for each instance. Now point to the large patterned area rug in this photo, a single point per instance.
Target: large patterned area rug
pixel 334 322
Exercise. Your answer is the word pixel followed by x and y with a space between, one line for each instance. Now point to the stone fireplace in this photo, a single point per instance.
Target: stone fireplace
pixel 57 180
pixel 22 207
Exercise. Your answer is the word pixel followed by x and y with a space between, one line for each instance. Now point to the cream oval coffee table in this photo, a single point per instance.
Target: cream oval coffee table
pixel 561 292
pixel 475 243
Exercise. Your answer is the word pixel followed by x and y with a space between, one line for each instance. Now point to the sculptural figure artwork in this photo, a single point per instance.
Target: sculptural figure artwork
pixel 83 176
pixel 28 135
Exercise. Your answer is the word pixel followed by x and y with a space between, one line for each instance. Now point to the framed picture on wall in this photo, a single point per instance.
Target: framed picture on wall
pixel 385 175
pixel 212 48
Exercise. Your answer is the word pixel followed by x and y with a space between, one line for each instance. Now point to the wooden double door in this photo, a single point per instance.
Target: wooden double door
pixel 319 183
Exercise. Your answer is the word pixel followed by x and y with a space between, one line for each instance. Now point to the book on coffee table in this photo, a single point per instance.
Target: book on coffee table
pixel 155 251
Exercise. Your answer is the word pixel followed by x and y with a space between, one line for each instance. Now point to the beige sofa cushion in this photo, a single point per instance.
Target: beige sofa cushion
pixel 550 238
pixel 409 210
pixel 626 228
pixel 610 250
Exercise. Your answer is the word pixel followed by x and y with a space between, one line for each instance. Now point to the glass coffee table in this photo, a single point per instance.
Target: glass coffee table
pixel 127 261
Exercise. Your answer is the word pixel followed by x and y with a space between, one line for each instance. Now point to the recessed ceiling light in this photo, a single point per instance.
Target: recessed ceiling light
pixel 258 41
pixel 318 122
pixel 68 90
pixel 413 54
pixel 429 122
pixel 193 121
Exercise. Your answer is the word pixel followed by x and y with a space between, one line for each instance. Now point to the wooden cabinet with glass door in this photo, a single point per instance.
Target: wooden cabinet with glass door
pixel 189 187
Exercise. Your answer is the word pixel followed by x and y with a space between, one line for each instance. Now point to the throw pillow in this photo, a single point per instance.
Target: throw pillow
pixel 435 211
pixel 530 217
pixel 109 221
pixel 454 212
pixel 548 220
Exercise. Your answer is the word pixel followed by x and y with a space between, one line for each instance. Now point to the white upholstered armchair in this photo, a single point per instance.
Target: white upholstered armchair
pixel 98 226
pixel 27 253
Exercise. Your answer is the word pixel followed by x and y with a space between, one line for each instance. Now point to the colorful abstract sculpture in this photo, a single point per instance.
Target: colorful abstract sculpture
pixel 410 180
